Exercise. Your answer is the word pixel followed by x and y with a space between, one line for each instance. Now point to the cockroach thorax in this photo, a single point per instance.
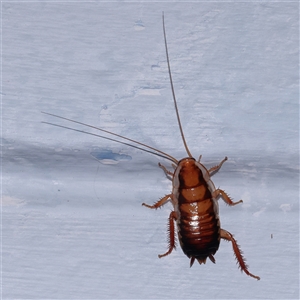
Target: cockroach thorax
pixel 189 173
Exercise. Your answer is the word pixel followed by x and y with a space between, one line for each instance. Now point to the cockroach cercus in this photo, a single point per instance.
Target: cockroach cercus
pixel 194 197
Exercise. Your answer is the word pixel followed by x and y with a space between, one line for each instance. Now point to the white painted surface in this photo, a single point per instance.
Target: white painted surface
pixel 73 227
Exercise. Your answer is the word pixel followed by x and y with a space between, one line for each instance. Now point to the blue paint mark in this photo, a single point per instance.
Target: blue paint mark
pixel 109 157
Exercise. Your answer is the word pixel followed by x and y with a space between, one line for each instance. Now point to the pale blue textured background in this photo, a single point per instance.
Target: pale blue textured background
pixel 74 227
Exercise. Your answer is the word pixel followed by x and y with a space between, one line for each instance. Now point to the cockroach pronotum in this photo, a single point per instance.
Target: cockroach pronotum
pixel 194 197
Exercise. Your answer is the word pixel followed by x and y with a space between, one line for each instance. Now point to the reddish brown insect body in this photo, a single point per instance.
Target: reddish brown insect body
pixel 194 198
pixel 196 212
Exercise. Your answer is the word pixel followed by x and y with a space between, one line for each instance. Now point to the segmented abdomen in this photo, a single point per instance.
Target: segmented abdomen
pixel 198 228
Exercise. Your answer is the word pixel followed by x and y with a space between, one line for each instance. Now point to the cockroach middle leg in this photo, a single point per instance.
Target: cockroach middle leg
pixel 220 193
pixel 171 230
pixel 216 168
pixel 159 203
pixel 237 252
pixel 171 227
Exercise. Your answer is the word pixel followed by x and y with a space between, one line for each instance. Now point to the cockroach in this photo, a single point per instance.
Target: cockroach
pixel 194 197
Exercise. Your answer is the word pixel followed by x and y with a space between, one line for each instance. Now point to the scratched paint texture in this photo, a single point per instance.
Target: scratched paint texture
pixel 72 222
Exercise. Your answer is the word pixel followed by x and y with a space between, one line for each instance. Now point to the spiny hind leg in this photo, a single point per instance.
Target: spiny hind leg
pixel 171 230
pixel 237 252
pixel 159 203
pixel 220 193
pixel 216 168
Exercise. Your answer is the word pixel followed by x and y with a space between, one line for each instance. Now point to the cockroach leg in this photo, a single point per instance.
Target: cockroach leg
pixel 237 252
pixel 216 168
pixel 200 156
pixel 171 230
pixel 167 172
pixel 159 203
pixel 220 193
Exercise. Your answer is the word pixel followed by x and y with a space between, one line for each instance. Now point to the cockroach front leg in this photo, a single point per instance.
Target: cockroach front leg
pixel 171 230
pixel 237 252
pixel 220 193
pixel 159 203
pixel 168 173
pixel 216 168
